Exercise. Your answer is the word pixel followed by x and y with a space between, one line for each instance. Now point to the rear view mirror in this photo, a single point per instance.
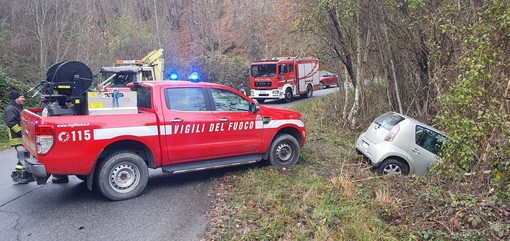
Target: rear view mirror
pixel 254 107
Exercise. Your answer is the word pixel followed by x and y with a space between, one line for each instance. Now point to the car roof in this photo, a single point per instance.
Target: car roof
pixel 415 122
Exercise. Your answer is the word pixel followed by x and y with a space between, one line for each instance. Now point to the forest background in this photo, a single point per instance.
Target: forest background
pixel 445 62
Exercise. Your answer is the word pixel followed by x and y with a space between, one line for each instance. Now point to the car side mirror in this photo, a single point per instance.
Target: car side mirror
pixel 254 107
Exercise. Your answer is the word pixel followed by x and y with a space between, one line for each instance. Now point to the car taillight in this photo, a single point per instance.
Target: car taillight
pixel 43 138
pixel 391 135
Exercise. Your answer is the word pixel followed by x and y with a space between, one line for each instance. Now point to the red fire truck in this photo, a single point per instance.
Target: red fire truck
pixel 110 140
pixel 284 78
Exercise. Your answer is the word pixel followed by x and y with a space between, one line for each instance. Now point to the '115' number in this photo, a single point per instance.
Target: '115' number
pixel 80 135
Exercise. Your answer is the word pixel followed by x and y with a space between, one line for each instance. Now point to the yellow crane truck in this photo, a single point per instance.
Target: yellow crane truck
pixel 150 67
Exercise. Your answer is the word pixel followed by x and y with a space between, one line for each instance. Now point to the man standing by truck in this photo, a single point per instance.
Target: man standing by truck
pixel 12 120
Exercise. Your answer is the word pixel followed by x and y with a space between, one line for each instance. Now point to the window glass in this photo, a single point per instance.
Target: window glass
pixel 389 120
pixel 122 79
pixel 428 139
pixel 147 75
pixel 143 97
pixel 185 99
pixel 291 68
pixel 282 69
pixel 225 100
pixel 263 70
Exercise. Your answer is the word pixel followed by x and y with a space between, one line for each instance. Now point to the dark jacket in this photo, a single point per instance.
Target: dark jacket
pixel 12 118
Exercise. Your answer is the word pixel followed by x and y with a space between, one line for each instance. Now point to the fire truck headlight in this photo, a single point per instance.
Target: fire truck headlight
pixel 276 92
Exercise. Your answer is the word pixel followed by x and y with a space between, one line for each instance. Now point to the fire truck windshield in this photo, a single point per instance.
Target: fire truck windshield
pixel 263 70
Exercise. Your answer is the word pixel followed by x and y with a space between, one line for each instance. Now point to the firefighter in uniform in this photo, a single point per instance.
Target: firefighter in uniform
pixel 12 120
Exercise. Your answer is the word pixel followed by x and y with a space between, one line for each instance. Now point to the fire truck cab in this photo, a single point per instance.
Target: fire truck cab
pixel 283 78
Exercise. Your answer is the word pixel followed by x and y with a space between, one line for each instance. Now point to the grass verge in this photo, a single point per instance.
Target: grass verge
pixel 333 194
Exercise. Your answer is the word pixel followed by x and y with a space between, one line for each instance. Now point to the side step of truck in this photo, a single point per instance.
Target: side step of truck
pixel 212 164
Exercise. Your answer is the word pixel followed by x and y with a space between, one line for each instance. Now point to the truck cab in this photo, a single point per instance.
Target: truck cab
pixel 150 67
pixel 283 78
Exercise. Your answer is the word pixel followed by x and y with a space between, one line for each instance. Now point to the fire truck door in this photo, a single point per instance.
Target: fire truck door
pixel 236 129
pixel 187 122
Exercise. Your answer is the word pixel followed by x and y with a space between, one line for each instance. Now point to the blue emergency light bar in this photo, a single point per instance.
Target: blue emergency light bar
pixel 194 77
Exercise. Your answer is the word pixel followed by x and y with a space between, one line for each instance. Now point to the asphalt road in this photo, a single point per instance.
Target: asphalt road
pixel 172 207
pixel 318 93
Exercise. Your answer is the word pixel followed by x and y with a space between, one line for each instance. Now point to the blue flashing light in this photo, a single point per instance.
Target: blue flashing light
pixel 174 76
pixel 194 77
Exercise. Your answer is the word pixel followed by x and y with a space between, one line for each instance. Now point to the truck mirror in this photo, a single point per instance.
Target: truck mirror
pixel 254 107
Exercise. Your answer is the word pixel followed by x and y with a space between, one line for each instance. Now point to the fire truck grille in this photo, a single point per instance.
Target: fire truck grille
pixel 263 84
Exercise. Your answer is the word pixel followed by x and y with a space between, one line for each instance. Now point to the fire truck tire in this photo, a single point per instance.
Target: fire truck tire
pixel 288 95
pixel 284 152
pixel 122 175
pixel 309 91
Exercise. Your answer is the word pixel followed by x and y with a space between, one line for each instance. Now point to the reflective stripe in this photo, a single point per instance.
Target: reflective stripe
pixel 109 133
pixel 14 141
pixel 16 128
pixel 259 124
pixel 278 123
pixel 20 167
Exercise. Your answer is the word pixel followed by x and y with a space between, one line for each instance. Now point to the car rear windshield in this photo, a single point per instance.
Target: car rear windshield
pixel 389 120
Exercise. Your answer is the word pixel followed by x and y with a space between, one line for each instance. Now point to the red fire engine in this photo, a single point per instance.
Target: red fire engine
pixel 110 140
pixel 284 78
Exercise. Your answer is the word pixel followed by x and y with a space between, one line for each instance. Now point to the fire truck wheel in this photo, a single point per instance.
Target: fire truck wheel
pixel 122 175
pixel 309 91
pixel 284 151
pixel 288 95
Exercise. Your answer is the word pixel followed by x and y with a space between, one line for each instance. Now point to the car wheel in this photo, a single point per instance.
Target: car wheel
pixel 123 175
pixel 284 151
pixel 82 177
pixel 288 95
pixel 321 85
pixel 393 167
pixel 309 91
pixel 261 101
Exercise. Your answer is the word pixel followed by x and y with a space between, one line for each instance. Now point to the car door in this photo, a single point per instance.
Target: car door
pixel 424 148
pixel 186 121
pixel 235 124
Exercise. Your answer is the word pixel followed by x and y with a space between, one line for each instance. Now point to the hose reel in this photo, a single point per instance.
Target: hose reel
pixel 70 80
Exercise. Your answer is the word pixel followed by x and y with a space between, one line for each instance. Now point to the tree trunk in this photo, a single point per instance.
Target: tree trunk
pixel 355 106
pixel 392 67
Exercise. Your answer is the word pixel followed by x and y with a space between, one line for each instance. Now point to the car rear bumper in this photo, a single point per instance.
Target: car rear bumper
pixel 370 150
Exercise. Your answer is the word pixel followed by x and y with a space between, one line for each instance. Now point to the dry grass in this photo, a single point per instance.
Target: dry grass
pixel 333 194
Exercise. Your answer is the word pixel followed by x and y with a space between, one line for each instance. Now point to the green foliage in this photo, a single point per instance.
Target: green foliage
pixel 222 69
pixel 125 35
pixel 473 113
